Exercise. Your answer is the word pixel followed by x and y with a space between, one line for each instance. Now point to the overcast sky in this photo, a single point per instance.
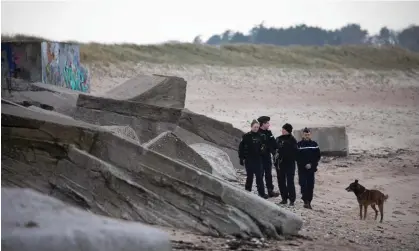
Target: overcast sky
pixel 154 21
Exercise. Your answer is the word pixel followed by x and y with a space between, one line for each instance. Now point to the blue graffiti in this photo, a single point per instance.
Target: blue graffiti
pixel 61 66
pixel 76 78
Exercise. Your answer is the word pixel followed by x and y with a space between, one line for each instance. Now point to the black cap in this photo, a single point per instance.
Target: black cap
pixel 287 127
pixel 264 119
pixel 306 130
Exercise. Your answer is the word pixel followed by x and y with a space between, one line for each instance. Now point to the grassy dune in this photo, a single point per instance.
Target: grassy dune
pixel 329 57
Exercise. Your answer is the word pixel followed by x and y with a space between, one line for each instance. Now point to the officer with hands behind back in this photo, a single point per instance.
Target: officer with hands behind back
pixel 308 158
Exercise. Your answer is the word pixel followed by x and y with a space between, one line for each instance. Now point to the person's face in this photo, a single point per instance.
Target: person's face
pixel 265 126
pixel 284 132
pixel 255 127
pixel 306 135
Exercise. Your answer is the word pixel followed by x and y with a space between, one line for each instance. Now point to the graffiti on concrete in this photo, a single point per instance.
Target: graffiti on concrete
pixel 76 78
pixel 61 66
pixel 50 64
pixel 21 60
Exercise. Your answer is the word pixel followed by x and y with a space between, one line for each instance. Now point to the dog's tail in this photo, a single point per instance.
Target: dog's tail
pixel 385 197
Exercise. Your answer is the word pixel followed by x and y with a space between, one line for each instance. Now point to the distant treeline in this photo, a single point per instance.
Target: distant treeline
pixel 309 35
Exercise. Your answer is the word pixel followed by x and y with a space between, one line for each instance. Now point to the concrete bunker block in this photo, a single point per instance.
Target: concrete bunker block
pixel 333 140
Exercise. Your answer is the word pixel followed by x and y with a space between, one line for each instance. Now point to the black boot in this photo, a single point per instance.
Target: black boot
pixel 273 194
pixel 309 205
pixel 283 202
pixel 306 205
pixel 265 196
pixel 292 203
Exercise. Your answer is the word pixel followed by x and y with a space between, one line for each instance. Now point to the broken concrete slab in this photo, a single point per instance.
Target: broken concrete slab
pixel 160 90
pixel 43 99
pixel 170 145
pixel 218 159
pixel 145 129
pixel 32 221
pixel 39 109
pixel 333 141
pixel 130 108
pixel 124 131
pixel 191 138
pixel 221 133
pixel 55 98
pixel 104 111
pixel 106 174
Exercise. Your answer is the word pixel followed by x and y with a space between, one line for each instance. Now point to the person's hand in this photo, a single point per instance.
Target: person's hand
pixel 242 162
pixel 276 156
pixel 308 166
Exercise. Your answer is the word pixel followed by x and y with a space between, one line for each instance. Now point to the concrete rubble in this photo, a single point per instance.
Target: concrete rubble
pixel 218 159
pixel 32 221
pixel 130 159
pixel 167 143
pixel 167 91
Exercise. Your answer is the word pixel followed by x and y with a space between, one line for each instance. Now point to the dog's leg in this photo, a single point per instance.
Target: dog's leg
pixel 360 211
pixel 381 207
pixel 365 211
pixel 375 210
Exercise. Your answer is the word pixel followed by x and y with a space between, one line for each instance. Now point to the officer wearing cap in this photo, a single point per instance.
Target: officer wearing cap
pixel 250 156
pixel 308 158
pixel 285 164
pixel 268 148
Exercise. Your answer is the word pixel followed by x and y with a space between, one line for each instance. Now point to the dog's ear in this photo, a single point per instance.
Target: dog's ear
pixel 356 181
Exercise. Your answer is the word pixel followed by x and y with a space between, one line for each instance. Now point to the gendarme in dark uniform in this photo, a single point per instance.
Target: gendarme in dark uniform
pixel 250 156
pixel 285 164
pixel 308 158
pixel 268 149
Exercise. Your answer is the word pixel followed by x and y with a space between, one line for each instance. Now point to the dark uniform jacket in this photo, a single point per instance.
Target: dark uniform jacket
pixel 308 153
pixel 287 149
pixel 268 143
pixel 250 145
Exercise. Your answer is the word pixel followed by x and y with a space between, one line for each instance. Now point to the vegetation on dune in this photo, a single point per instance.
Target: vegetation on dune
pixel 331 57
pixel 256 55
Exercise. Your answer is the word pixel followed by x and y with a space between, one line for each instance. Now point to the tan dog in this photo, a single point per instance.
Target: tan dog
pixel 367 197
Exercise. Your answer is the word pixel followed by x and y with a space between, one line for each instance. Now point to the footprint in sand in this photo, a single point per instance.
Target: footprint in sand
pixel 398 212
